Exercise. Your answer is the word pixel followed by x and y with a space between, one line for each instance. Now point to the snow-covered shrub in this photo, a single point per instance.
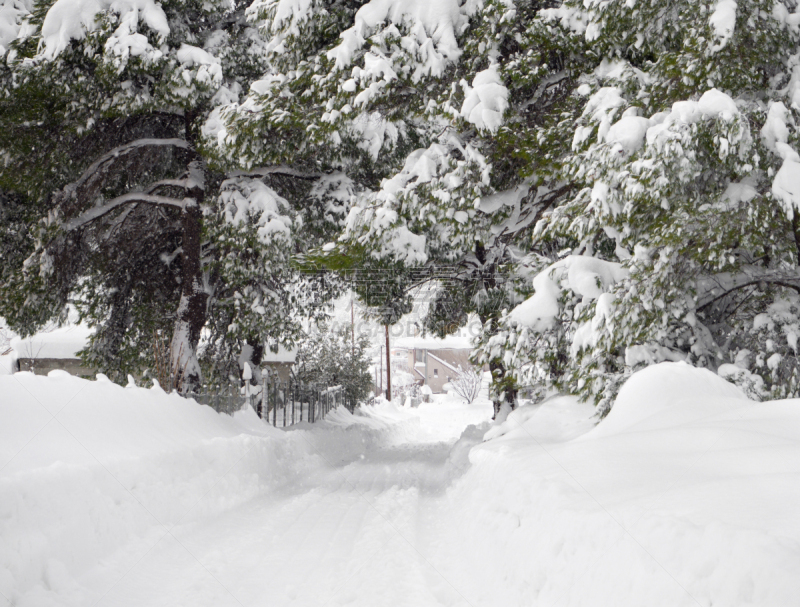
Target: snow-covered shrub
pixel 467 384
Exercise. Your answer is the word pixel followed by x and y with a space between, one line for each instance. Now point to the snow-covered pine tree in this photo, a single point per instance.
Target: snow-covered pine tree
pixel 686 186
pixel 436 117
pixel 332 358
pixel 102 109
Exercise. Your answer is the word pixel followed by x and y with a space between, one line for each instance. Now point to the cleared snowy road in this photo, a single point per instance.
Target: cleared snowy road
pixel 355 532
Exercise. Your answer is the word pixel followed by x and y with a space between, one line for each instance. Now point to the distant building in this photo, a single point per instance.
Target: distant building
pixel 279 362
pixel 58 349
pixel 434 362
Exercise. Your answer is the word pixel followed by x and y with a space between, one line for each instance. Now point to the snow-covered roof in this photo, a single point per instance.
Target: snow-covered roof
pixel 283 355
pixel 65 342
pixel 451 342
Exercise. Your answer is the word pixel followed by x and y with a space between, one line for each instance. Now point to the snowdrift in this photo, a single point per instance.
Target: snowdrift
pixel 686 494
pixel 89 469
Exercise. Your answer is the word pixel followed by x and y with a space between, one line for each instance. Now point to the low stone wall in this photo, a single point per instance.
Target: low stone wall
pixel 43 366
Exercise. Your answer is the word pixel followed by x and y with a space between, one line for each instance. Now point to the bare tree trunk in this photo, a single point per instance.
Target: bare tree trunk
pixel 191 315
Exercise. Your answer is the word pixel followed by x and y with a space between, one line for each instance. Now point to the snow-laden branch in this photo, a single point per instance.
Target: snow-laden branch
pixel 526 209
pixel 261 172
pixel 131 198
pixel 88 184
pixel 165 183
pixel 715 287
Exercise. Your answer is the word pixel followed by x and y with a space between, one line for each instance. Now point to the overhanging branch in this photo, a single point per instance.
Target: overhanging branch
pixel 91 181
pixel 166 183
pixel 720 285
pixel 261 172
pixel 132 198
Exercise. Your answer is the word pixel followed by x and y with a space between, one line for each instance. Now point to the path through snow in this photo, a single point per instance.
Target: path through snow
pixel 353 531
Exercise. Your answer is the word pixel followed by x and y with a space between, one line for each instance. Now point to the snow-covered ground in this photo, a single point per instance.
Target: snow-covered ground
pixel 686 494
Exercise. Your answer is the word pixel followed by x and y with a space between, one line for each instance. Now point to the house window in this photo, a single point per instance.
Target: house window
pixel 419 355
pixel 436 372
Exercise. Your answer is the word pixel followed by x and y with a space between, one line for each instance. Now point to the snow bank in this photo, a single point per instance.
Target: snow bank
pixel 686 494
pixel 92 473
pixel 669 394
pixel 8 364
pixel 90 467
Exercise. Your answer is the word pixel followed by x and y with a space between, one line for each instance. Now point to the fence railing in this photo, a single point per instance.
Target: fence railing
pixel 225 399
pixel 281 403
pixel 410 391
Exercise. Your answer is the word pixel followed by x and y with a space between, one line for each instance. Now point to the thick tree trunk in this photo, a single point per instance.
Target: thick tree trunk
pixel 504 385
pixel 191 314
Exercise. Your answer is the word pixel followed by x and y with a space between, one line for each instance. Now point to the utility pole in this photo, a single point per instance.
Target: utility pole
pixel 353 326
pixel 388 368
pixel 380 364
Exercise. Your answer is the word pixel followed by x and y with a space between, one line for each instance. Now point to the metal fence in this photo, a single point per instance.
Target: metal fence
pixel 287 403
pixel 225 399
pixel 281 403
pixel 404 393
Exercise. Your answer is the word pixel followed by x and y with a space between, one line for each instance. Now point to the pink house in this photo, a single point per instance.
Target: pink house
pixel 433 361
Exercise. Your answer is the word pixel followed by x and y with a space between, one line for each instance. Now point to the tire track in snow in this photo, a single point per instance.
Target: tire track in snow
pixel 352 537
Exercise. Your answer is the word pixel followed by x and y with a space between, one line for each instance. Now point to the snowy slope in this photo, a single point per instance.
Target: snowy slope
pixel 686 494
pixel 89 466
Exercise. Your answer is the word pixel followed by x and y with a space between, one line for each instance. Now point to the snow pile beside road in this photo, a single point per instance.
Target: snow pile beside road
pixel 687 494
pixel 88 467
pixel 93 473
